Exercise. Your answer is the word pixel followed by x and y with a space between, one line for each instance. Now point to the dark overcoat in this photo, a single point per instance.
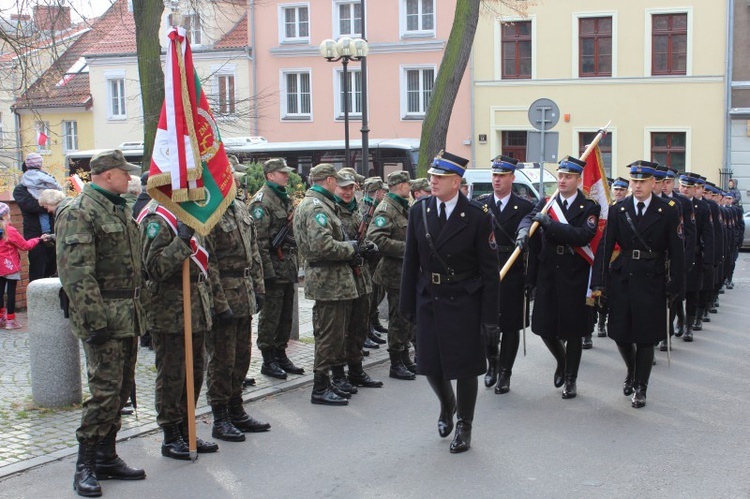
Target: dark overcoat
pixel 638 283
pixel 505 224
pixel 448 315
pixel 562 275
pixel 704 247
pixel 718 244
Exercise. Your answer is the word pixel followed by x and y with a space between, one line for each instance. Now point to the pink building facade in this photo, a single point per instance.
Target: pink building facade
pixel 300 95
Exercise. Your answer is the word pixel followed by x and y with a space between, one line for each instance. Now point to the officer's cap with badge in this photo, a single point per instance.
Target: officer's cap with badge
pixel 642 169
pixel 420 184
pixel 570 164
pixel 359 179
pixel 671 172
pixel 503 165
pixel 276 165
pixel 660 172
pixel 322 172
pixel 107 160
pixel 395 178
pixel 373 184
pixel 446 163
pixel 620 183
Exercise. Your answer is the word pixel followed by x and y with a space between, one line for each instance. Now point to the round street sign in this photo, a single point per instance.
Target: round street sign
pixel 544 114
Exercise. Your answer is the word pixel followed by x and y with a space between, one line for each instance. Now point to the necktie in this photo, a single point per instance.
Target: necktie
pixel 500 205
pixel 443 218
pixel 640 205
pixel 565 205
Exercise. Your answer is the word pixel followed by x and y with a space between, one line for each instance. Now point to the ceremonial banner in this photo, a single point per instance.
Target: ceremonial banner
pixel 596 187
pixel 190 173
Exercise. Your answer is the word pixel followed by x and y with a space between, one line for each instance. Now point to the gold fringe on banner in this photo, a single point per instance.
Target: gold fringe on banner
pixel 196 172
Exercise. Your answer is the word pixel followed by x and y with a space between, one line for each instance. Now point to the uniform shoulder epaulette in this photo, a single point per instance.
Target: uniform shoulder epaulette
pixel 671 202
pixel 258 197
pixel 479 205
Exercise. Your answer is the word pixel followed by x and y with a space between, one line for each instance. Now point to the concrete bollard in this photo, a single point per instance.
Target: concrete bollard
pixel 54 351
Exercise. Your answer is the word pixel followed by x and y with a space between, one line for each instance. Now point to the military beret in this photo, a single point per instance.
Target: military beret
pixel 323 171
pixel 399 177
pixel 113 158
pixel 373 184
pixel 276 165
pixel 420 184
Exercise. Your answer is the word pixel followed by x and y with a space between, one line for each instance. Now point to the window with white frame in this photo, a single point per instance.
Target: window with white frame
pixel 42 136
pixel 116 98
pixel 416 92
pixel 295 23
pixel 354 100
pixel 418 17
pixel 296 99
pixel 348 18
pixel 225 97
pixel 70 135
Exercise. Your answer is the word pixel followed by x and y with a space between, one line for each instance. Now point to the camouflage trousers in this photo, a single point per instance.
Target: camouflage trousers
pixel 275 320
pixel 359 325
pixel 110 369
pixel 377 295
pixel 171 395
pixel 330 323
pixel 400 331
pixel 228 349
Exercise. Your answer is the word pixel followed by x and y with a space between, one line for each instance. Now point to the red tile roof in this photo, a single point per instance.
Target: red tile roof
pixel 236 38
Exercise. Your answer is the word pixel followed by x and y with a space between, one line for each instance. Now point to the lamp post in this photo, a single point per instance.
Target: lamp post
pixel 345 49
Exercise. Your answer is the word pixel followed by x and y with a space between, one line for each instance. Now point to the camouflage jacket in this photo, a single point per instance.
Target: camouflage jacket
pixel 388 230
pixel 233 247
pixel 98 260
pixel 163 254
pixel 351 221
pixel 320 239
pixel 270 215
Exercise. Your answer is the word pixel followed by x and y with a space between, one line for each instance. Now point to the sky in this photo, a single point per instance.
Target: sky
pixel 79 8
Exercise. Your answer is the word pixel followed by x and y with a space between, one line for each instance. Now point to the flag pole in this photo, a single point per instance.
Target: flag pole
pixel 516 252
pixel 189 381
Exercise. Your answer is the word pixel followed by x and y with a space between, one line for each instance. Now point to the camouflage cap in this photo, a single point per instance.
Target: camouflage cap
pixel 464 181
pixel 395 178
pixel 357 177
pixel 112 158
pixel 276 165
pixel 420 184
pixel 323 171
pixel 373 184
pixel 346 178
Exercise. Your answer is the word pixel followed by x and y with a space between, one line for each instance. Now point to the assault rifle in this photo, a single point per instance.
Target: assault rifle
pixel 284 236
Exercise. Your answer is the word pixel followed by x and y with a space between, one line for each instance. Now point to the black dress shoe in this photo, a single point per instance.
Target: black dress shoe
pixel 602 333
pixel 680 330
pixel 627 386
pixel 248 382
pixel 490 378
pixel 705 318
pixel 462 439
pixel 445 422
pixel 639 397
pixel 587 343
pixel 272 369
pixel 697 325
pixel 375 338
pixel 503 382
pixel 663 347
pixel 559 376
pixel 570 389
pixel 688 336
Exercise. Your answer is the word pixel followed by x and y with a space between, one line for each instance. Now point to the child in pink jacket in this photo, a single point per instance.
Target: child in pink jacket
pixel 10 265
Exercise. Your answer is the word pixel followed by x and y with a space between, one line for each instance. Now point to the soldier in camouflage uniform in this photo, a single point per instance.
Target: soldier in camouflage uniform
pixel 374 191
pixel 100 269
pixel 419 188
pixel 388 231
pixel 271 209
pixel 351 219
pixel 166 245
pixel 237 292
pixel 329 278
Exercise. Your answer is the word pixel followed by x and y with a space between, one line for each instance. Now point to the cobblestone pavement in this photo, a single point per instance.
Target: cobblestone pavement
pixel 34 435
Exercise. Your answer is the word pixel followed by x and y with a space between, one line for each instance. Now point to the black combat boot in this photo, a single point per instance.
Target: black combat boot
pixel 587 343
pixel 697 322
pixel 339 381
pixel 242 420
pixel 370 344
pixel 201 446
pixel 375 337
pixel 398 370
pixel 223 428
pixel 84 480
pixel 444 391
pixel 173 445
pixel 572 361
pixel 322 393
pixel 688 335
pixel 557 349
pixel 358 377
pixel 643 361
pixel 110 466
pixel 466 397
pixel 406 359
pixel 270 367
pixel 285 362
pixel 493 365
pixel 377 326
pixel 627 351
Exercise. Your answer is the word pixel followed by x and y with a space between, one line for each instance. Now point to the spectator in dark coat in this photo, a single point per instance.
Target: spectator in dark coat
pixel 42 257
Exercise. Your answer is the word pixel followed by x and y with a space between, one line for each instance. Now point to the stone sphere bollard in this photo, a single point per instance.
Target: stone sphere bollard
pixel 54 351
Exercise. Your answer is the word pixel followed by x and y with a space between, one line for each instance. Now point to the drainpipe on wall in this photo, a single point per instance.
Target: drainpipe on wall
pixel 726 173
pixel 255 72
pixel 471 110
pixel 19 152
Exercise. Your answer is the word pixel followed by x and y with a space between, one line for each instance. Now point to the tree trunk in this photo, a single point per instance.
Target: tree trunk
pixel 447 83
pixel 147 14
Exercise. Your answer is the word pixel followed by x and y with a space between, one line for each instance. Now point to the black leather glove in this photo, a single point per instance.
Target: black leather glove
pixel 543 219
pixel 490 333
pixel 225 318
pixel 522 238
pixel 260 300
pixel 369 250
pixel 99 337
pixel 184 232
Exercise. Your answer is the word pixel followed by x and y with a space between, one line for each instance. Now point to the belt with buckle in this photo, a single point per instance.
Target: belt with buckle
pixel 642 255
pixel 115 294
pixel 436 278
pixel 563 249
pixel 236 273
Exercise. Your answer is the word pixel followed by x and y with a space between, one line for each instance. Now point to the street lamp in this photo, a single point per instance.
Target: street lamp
pixel 345 49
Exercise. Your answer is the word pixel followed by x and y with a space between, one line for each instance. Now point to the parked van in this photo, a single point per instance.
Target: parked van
pixel 525 185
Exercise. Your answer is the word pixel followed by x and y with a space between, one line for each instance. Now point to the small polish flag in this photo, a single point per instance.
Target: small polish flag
pixel 77 183
pixel 41 138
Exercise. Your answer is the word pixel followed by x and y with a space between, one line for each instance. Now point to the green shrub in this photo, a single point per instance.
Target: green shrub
pixel 254 179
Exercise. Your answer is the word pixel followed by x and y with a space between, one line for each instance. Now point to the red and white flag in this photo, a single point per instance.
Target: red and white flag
pixel 596 187
pixel 77 183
